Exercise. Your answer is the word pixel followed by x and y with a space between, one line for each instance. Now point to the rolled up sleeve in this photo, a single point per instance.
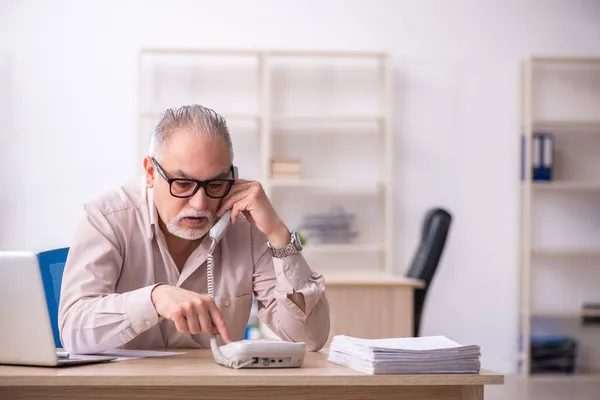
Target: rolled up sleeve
pixel 274 280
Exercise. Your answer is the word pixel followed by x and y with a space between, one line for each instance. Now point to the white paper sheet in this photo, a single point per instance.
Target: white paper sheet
pixel 421 355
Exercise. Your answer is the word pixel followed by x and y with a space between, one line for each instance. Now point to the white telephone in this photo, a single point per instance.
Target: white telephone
pixel 258 353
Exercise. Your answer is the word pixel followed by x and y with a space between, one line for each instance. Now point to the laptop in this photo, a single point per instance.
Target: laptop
pixel 25 329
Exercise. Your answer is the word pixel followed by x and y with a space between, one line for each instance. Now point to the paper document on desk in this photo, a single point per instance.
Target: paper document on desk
pixel 420 355
pixel 124 354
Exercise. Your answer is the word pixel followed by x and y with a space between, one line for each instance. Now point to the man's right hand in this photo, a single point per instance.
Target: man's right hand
pixel 190 311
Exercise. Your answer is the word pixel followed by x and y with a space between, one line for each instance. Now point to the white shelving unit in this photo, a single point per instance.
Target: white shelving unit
pixel 559 241
pixel 331 110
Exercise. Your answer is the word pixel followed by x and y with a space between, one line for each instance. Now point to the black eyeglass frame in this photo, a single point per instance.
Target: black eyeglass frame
pixel 199 184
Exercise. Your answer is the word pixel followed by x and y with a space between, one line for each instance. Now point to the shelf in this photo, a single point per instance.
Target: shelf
pixel 343 248
pixel 567 253
pixel 228 117
pixel 193 51
pixel 318 133
pixel 336 125
pixel 565 60
pixel 327 184
pixel 287 123
pixel 554 378
pixel 559 100
pixel 564 185
pixel 272 53
pixel 324 53
pixel 350 119
pixel 567 127
pixel 564 314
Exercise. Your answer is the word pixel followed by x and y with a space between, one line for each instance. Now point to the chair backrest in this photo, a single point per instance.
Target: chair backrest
pixel 434 233
pixel 52 264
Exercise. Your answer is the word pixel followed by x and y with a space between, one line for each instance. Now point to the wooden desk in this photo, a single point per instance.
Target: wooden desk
pixel 370 305
pixel 195 375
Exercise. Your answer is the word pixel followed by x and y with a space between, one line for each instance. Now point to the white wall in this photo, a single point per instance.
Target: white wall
pixel 73 102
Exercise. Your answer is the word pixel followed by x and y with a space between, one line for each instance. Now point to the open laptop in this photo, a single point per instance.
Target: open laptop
pixel 25 330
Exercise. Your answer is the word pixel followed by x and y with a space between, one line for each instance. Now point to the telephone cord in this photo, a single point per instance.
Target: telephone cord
pixel 218 356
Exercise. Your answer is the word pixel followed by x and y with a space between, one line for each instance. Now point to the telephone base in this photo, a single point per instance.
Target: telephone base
pixel 263 353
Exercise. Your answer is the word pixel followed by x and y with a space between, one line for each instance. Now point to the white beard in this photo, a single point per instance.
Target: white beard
pixel 191 233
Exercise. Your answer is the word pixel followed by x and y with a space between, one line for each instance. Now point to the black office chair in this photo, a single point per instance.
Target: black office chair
pixel 436 225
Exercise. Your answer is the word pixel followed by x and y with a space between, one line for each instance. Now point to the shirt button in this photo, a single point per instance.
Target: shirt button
pixel 278 272
pixel 227 303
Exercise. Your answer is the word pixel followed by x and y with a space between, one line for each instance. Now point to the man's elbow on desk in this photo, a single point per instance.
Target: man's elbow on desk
pixel 79 341
pixel 317 343
pixel 322 331
pixel 77 338
pixel 74 343
pixel 318 325
pixel 313 329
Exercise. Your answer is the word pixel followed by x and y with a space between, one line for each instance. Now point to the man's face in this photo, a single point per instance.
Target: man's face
pixel 195 157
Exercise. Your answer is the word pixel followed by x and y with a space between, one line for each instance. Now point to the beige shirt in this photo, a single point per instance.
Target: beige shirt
pixel 119 254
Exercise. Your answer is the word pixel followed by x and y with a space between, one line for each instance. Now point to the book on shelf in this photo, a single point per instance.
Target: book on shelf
pixel 285 176
pixel 284 168
pixel 333 227
pixel 407 355
pixel 591 314
pixel 542 163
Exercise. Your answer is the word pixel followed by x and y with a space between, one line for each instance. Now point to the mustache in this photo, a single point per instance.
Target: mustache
pixel 195 214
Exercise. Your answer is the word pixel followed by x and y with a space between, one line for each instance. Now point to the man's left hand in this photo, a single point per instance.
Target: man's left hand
pixel 249 198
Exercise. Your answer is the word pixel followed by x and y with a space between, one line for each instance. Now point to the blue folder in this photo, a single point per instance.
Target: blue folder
pixel 542 163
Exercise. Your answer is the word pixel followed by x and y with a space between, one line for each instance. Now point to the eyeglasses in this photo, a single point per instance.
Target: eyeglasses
pixel 184 187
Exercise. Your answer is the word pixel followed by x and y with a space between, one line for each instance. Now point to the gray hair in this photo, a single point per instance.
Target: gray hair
pixel 197 119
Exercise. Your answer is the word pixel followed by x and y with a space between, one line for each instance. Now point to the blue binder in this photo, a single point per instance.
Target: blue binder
pixel 542 162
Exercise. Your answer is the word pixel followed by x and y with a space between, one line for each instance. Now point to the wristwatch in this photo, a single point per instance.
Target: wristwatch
pixel 294 246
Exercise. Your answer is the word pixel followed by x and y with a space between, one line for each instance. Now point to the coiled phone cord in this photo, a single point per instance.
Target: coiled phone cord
pixel 218 356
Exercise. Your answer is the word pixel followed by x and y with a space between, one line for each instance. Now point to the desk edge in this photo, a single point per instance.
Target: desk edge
pixel 252 380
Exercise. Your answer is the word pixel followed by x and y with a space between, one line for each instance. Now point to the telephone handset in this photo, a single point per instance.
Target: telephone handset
pixel 258 353
pixel 218 229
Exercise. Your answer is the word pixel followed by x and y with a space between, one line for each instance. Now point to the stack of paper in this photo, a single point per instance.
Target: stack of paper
pixel 420 355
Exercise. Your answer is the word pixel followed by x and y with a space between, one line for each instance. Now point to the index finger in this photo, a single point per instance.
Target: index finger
pixel 219 322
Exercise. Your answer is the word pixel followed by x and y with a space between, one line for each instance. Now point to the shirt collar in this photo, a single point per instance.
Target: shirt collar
pixel 152 212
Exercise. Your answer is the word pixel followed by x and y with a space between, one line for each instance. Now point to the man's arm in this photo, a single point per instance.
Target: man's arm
pixel 92 317
pixel 291 297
